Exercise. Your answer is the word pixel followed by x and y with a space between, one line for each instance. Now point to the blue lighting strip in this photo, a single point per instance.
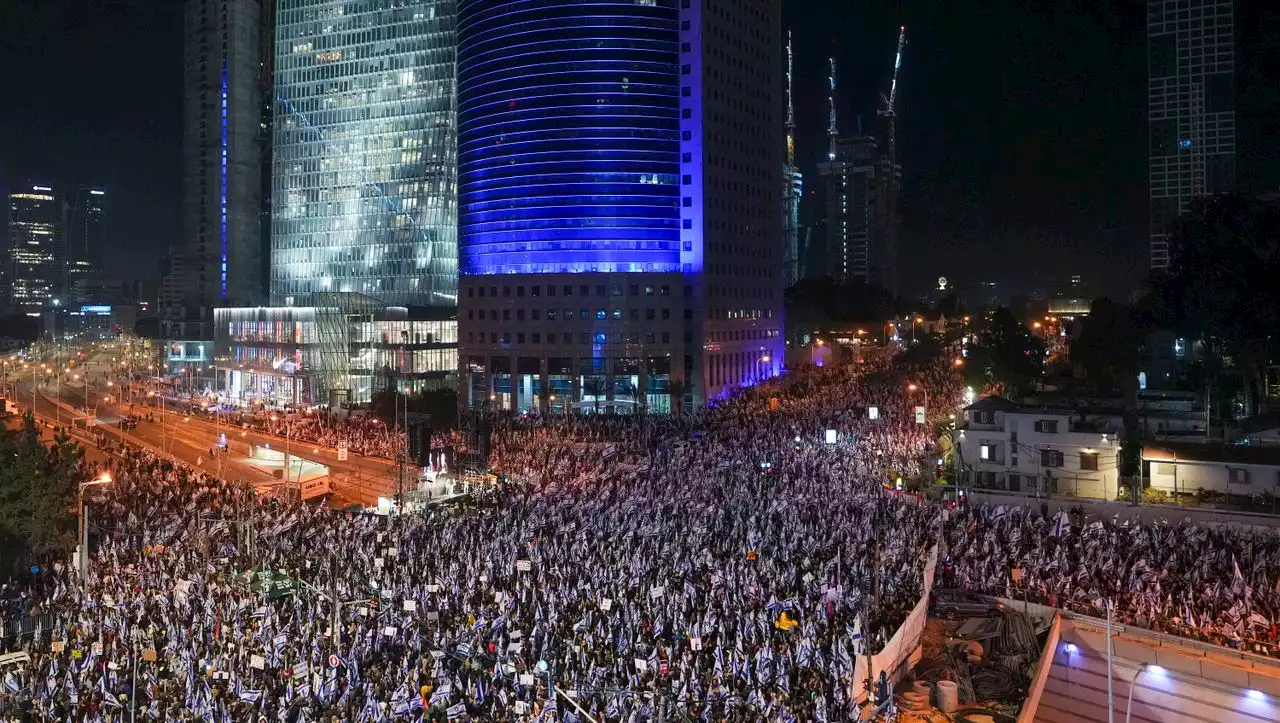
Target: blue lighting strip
pixel 224 180
pixel 568 137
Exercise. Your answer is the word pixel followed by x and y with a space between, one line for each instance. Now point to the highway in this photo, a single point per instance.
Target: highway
pixel 190 438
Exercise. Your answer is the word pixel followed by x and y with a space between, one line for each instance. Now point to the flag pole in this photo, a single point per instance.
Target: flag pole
pixel 1111 707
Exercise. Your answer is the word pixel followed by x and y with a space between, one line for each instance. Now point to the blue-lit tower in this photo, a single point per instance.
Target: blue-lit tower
pixel 619 175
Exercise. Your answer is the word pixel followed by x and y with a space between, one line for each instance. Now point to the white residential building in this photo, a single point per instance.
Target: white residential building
pixel 1186 469
pixel 1004 445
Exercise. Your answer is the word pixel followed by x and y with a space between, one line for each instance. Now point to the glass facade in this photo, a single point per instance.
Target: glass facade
pixel 365 196
pixel 298 355
pixel 35 245
pixel 569 136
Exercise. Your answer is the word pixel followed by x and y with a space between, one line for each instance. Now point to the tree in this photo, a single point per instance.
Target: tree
pixel 814 302
pixel 676 388
pixel 1224 260
pixel 1007 356
pixel 1109 350
pixel 38 491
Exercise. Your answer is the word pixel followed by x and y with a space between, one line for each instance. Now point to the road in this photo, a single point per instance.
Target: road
pixel 190 438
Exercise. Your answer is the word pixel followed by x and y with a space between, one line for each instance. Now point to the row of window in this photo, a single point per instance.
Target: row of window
pixel 601 290
pixel 582 314
pixel 1051 458
pixel 599 337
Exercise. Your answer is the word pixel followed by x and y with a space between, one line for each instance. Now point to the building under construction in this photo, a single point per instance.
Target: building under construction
pixel 861 181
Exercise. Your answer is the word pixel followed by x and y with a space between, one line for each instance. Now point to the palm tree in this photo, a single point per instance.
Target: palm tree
pixel 676 388
pixel 595 387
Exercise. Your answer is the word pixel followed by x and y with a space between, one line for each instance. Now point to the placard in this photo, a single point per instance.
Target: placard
pixel 524 565
pixel 389 631
pixel 641 664
pixel 257 662
pixel 695 643
pixel 526 679
pixel 605 604
pixel 411 606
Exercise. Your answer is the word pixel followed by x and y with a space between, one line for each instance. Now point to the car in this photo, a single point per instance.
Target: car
pixel 955 604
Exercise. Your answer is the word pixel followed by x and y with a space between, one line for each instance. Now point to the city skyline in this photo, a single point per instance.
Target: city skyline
pixel 989 187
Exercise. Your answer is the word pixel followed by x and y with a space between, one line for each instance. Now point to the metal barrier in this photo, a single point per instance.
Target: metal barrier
pixel 28 626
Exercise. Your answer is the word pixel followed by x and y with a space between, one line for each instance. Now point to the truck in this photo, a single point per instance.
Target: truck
pixel 7 407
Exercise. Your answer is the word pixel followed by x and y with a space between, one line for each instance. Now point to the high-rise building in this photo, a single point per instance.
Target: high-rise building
pixel 620 176
pixel 34 262
pixel 859 218
pixel 1191 109
pixel 364 190
pixel 792 191
pixel 222 184
pixel 86 227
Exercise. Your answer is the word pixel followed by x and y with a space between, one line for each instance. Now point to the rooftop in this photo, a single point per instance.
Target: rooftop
pixel 1222 453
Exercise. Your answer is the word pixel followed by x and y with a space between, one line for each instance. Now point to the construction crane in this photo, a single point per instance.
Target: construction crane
pixel 889 110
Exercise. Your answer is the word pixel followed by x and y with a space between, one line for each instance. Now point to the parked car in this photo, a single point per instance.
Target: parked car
pixel 953 604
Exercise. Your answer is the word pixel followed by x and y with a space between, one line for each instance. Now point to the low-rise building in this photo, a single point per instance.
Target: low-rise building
pixel 1005 445
pixel 1181 468
pixel 344 349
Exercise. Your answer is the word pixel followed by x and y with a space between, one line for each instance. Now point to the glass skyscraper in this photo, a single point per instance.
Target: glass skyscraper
pixel 35 247
pixel 364 187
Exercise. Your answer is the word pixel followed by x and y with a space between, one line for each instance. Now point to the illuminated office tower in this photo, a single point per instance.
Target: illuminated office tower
pixel 86 227
pixel 1191 109
pixel 35 248
pixel 620 176
pixel 364 193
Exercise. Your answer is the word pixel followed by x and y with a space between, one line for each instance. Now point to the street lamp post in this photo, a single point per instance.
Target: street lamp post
pixel 913 387
pixel 82 565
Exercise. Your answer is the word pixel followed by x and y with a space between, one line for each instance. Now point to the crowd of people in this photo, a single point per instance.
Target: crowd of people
pixel 722 565
pixel 364 434
pixel 1213 583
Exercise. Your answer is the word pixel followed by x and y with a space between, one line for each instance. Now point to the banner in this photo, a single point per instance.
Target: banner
pixel 904 641
pixel 315 487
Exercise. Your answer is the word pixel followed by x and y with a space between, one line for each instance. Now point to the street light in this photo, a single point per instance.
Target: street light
pixel 102 479
pixel 913 387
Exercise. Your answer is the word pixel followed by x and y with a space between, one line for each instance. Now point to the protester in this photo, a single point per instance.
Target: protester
pixel 713 565
pixel 1213 583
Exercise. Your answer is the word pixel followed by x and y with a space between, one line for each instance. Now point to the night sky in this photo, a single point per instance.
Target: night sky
pixel 1022 123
